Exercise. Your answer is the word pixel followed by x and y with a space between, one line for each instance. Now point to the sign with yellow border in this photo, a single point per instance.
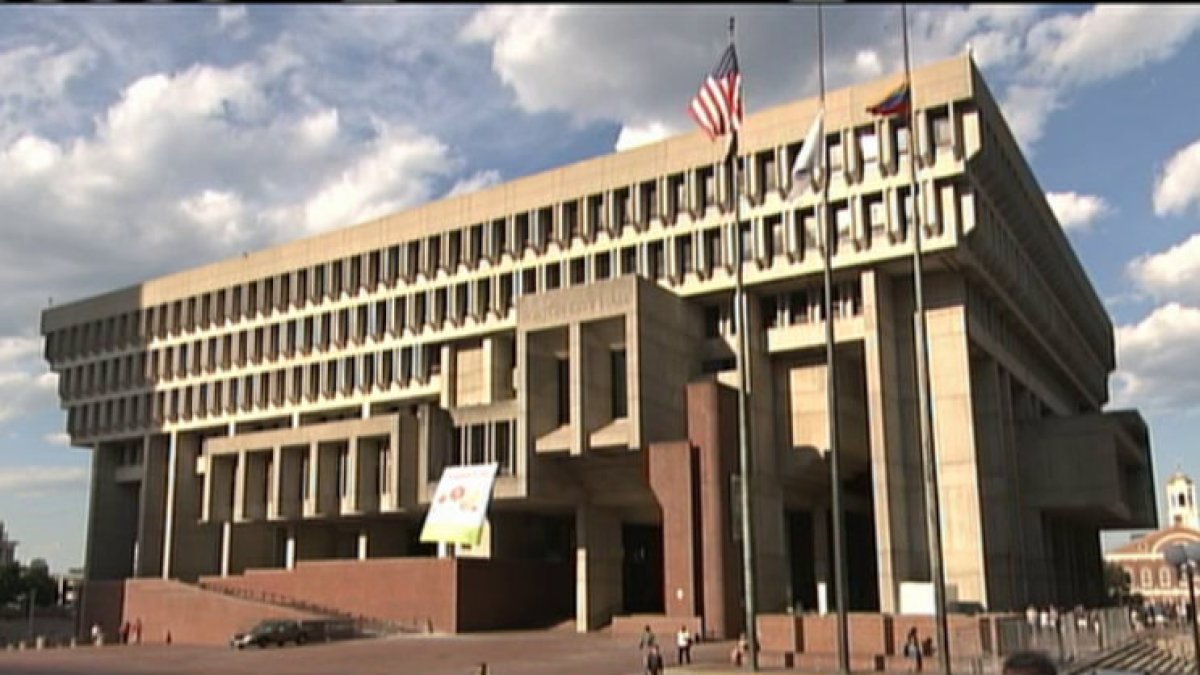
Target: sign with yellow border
pixel 459 505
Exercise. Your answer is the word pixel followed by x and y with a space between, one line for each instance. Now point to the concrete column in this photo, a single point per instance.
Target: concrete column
pixel 598 557
pixel 169 516
pixel 954 440
pixel 275 498
pixel 239 486
pixel 362 544
pixel 152 505
pixel 289 551
pixel 891 427
pixel 226 537
pixel 350 502
pixel 822 565
pixel 310 502
pixel 575 363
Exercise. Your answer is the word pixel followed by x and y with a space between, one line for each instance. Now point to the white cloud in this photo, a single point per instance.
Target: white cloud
pixel 1171 274
pixel 33 480
pixel 1178 184
pixel 25 384
pixel 867 64
pixel 1075 211
pixel 229 15
pixel 58 438
pixel 1027 109
pixel 1157 368
pixel 41 72
pixel 634 136
pixel 1108 40
pixel 475 182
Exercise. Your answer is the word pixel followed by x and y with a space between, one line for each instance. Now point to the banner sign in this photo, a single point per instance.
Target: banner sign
pixel 459 505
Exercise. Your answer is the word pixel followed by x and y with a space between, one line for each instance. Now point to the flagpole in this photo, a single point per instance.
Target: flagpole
pixel 928 458
pixel 744 458
pixel 835 453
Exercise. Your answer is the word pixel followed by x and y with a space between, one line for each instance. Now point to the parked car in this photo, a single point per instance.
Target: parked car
pixel 271 632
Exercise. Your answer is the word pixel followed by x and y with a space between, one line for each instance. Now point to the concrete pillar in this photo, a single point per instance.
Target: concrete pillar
pixel 350 501
pixel 152 505
pixel 275 498
pixel 239 486
pixel 226 548
pixel 169 515
pixel 362 544
pixel 289 551
pixel 954 440
pixel 598 558
pixel 314 458
pixel 895 459
pixel 578 375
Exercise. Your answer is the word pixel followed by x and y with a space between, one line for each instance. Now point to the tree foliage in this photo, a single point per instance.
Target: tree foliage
pixel 17 582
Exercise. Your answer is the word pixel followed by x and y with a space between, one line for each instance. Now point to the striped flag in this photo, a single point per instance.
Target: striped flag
pixel 717 107
pixel 895 102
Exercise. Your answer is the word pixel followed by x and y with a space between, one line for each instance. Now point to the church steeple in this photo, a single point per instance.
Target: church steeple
pixel 1181 501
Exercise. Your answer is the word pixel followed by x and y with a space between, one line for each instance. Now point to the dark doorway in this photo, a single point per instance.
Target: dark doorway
pixel 642 571
pixel 862 582
pixel 800 545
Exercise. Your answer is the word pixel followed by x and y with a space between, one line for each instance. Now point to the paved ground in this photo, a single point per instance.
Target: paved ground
pixel 533 653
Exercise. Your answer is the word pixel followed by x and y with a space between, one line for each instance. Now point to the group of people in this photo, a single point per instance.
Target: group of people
pixel 1020 663
pixel 652 657
pixel 1050 618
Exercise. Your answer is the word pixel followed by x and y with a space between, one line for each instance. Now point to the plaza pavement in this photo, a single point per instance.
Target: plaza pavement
pixel 555 652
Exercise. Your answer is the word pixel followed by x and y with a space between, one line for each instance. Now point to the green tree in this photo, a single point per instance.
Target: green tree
pixel 10 583
pixel 1116 584
pixel 36 578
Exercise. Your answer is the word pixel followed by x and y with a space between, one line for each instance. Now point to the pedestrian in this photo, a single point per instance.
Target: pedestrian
pixel 912 651
pixel 739 650
pixel 648 639
pixel 1031 617
pixel 137 631
pixel 654 661
pixel 125 633
pixel 97 635
pixel 1029 663
pixel 683 645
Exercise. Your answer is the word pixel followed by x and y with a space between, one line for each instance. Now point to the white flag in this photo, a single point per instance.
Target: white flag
pixel 805 167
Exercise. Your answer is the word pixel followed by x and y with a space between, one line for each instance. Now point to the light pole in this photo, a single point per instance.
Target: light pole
pixel 1188 557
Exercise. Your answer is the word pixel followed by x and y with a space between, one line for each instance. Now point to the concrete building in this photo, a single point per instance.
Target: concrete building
pixel 298 404
pixel 8 547
pixel 1146 570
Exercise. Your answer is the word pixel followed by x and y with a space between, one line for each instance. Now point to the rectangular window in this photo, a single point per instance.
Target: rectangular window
pixel 687 261
pixel 564 391
pixel 747 242
pixel 619 399
pixel 504 447
pixel 603 266
pixel 656 262
pixel 571 218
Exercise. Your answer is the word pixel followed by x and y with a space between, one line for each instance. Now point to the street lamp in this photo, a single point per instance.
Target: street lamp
pixel 1188 558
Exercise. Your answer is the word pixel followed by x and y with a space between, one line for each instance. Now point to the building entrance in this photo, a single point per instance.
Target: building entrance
pixel 642 569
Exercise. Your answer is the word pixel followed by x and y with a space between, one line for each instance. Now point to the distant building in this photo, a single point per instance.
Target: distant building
pixel 8 548
pixel 1141 559
pixel 1181 502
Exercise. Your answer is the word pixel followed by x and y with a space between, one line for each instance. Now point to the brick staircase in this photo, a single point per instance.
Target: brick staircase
pixel 365 625
pixel 1147 654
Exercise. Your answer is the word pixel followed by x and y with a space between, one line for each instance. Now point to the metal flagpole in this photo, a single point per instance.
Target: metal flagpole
pixel 739 297
pixel 928 459
pixel 835 453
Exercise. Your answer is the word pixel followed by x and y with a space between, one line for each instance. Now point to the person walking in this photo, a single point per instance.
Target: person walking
pixel 912 651
pixel 125 633
pixel 654 661
pixel 137 631
pixel 683 646
pixel 648 639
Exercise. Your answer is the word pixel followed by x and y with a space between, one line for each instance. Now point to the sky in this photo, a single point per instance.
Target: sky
pixel 138 141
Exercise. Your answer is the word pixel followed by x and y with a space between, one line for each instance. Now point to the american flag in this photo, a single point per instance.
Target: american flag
pixel 717 107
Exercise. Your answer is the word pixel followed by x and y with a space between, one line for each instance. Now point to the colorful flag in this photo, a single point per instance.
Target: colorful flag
pixel 806 168
pixel 717 107
pixel 895 103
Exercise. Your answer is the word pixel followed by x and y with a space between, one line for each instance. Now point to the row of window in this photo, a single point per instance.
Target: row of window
pixel 310 382
pixel 485 443
pixel 579 219
pixel 671 259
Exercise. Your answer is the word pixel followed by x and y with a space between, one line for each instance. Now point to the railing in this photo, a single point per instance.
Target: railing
pixel 362 624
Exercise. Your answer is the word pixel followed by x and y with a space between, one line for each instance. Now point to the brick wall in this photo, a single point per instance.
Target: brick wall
pixel 192 615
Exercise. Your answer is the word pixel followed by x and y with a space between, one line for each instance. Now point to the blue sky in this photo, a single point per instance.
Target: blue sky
pixel 136 141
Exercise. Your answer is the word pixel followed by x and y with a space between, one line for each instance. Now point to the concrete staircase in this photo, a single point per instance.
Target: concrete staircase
pixel 1142 655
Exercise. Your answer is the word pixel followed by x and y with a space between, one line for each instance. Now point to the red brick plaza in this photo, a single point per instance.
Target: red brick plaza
pixel 523 653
